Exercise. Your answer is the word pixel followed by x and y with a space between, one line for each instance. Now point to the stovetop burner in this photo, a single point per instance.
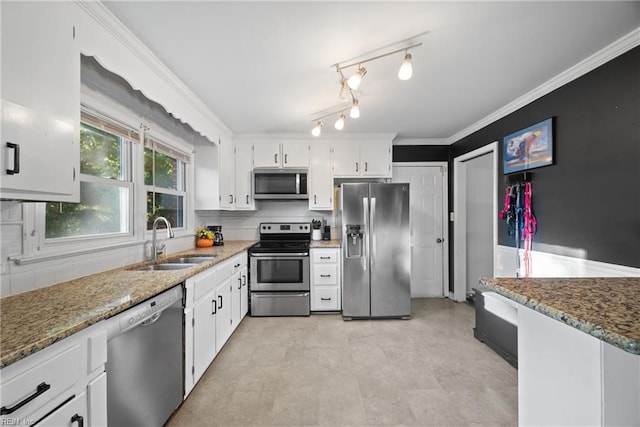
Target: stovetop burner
pixel 283 238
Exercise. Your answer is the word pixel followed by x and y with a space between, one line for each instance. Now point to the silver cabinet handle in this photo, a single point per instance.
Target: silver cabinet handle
pixel 285 158
pixel 231 198
pixel 356 166
pixel 366 166
pixel 247 199
pixel 275 159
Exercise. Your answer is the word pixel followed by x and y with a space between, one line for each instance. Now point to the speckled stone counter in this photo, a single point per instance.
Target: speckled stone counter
pixel 324 244
pixel 34 320
pixel 606 308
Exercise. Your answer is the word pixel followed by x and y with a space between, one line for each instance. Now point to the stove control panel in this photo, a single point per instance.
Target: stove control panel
pixel 285 228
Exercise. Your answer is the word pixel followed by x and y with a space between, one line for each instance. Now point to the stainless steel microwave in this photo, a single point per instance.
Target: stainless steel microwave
pixel 280 184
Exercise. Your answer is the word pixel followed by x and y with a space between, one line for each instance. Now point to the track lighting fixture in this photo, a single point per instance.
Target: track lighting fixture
pixel 348 86
pixel 355 80
pixel 317 129
pixel 406 69
pixel 354 113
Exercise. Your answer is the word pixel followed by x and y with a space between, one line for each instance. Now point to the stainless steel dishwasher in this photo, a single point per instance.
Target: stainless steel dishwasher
pixel 145 361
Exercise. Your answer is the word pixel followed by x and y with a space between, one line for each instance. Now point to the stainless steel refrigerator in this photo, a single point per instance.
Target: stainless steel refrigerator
pixel 376 258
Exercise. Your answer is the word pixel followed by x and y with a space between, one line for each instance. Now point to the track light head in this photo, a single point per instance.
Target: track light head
pixel 317 129
pixel 344 90
pixel 355 109
pixel 406 69
pixel 339 124
pixel 355 80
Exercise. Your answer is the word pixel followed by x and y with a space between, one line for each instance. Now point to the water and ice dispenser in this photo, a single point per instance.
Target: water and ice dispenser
pixel 354 240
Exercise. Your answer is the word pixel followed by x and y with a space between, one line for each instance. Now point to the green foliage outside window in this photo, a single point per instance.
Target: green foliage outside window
pixel 101 205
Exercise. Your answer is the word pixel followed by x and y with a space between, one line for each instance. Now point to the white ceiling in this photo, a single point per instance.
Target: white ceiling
pixel 266 67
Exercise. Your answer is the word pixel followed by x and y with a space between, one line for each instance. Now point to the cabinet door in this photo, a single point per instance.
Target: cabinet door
pixel 267 155
pixel 204 334
pixel 207 177
pixel 375 159
pixel 346 159
pixel 236 295
pixel 226 163
pixel 295 155
pixel 244 292
pixel 223 313
pixel 320 178
pixel 40 102
pixel 244 162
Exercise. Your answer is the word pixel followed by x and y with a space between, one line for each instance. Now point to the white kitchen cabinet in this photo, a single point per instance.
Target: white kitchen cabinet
pixel 206 177
pixel 51 387
pixel 239 289
pixel 200 325
pixel 370 159
pixel 227 168
pixel 574 377
pixel 281 155
pixel 244 173
pixel 40 153
pixel 325 279
pixel 320 178
pixel 223 312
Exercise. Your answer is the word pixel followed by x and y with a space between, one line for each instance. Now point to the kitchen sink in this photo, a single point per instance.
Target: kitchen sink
pixel 190 259
pixel 166 266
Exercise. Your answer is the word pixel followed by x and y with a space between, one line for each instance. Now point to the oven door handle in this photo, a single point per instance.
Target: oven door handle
pixel 278 255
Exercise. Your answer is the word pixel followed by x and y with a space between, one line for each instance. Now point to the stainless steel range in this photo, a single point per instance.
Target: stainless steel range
pixel 279 263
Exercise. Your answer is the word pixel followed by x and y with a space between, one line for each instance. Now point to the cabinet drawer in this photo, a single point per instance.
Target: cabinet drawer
pixel 325 299
pixel 203 283
pixel 42 386
pixel 325 257
pixel 71 414
pixel 225 270
pixel 325 275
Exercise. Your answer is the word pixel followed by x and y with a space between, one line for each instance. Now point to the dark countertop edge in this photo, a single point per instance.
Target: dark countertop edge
pixel 596 331
pixel 85 321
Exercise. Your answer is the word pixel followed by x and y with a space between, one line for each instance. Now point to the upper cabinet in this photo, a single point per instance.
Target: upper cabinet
pixel 227 168
pixel 320 180
pixel 280 155
pixel 371 159
pixel 244 173
pixel 40 153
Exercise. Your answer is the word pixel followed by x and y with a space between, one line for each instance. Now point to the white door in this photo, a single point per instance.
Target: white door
pixel 427 189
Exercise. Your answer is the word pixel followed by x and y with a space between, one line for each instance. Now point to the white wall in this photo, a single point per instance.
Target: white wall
pixel 243 225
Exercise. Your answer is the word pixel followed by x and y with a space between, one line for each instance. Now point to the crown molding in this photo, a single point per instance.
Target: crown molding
pixel 103 16
pixel 599 58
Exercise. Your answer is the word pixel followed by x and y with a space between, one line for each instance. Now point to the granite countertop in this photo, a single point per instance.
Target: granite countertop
pixel 34 320
pixel 324 244
pixel 607 308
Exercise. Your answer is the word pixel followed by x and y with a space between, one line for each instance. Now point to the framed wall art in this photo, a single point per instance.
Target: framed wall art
pixel 529 148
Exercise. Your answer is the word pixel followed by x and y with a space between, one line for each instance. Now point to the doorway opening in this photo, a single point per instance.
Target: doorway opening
pixel 475 183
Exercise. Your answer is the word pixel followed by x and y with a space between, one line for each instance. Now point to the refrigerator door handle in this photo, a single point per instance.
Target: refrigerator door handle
pixel 372 233
pixel 365 234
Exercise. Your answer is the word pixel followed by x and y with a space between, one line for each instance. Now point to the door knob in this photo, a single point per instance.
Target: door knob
pixel 439 240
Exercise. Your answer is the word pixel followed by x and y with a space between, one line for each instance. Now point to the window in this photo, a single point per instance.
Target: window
pixel 105 185
pixel 165 180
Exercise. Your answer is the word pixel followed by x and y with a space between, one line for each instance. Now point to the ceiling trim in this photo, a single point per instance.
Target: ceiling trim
pixel 599 58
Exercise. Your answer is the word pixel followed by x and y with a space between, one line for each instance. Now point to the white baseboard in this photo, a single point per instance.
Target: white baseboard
pixel 544 264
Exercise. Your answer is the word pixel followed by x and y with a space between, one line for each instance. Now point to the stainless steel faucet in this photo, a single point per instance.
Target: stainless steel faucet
pixel 155 247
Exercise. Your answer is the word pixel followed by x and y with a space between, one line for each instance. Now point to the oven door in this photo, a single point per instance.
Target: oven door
pixel 279 272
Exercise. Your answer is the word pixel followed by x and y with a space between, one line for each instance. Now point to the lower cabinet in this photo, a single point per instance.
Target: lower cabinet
pixel 61 385
pixel 215 300
pixel 325 279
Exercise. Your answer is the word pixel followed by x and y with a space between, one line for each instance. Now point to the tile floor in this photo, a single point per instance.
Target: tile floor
pixel 323 371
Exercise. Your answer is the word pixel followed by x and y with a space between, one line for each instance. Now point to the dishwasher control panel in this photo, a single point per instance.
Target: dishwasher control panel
pixel 143 311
